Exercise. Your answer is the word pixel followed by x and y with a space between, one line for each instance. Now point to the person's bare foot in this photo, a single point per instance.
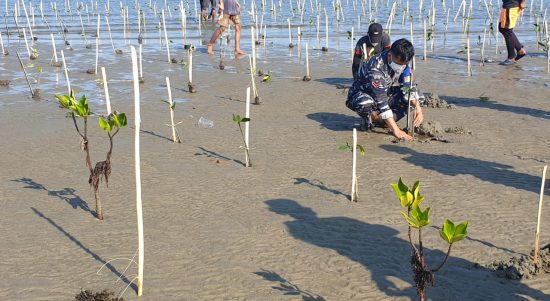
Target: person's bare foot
pixel 239 52
pixel 203 15
pixel 209 48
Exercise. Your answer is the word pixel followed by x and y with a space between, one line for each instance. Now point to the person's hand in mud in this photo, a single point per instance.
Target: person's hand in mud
pixel 397 132
pixel 401 135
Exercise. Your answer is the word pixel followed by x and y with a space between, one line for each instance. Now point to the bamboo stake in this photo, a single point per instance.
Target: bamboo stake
pixel 2 44
pixel 537 233
pixel 253 49
pixel 247 128
pixel 166 39
pixel 326 31
pixel 290 45
pixel 96 53
pixel 25 72
pixel 137 122
pixel 175 137
pixel 354 194
pixel 140 61
pixel 110 35
pixel 255 92
pixel 106 88
pixel 66 71
pixel 26 43
pixel 308 76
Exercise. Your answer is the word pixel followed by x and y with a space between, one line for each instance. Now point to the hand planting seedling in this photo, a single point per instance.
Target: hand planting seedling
pixel 110 124
pixel 418 218
pixel 238 119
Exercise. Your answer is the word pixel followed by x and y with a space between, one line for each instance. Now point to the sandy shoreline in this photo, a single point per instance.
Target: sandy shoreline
pixel 215 230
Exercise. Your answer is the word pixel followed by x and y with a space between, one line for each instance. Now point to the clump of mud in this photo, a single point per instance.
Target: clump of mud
pixel 97 296
pixel 433 101
pixel 459 130
pixel 5 82
pixel 522 267
pixel 430 129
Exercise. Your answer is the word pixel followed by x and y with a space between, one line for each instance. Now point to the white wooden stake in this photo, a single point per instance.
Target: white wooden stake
pixel 166 37
pixel 190 65
pixel 106 88
pixel 425 42
pixel 326 29
pixel 247 127
pixel 171 103
pixel 137 122
pixel 307 61
pixel 26 43
pixel 252 79
pixel 354 194
pixel 110 36
pixel 253 49
pixel 537 233
pixel 96 53
pixel 66 71
pixel 140 60
pixel 2 43
pixel 289 33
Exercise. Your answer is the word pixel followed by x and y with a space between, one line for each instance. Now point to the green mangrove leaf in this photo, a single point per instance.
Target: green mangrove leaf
pixel 412 222
pixel 416 189
pixel 245 119
pixel 404 188
pixel 361 149
pixel 121 120
pixel 104 124
pixel 236 118
pixel 461 231
pixel 64 100
pixel 448 230
pixel 345 147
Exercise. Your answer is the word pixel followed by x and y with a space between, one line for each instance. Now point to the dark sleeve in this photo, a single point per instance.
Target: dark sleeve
pixel 357 57
pixel 386 42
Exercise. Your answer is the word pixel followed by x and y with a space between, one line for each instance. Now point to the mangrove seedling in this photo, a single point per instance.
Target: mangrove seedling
pixel 238 120
pixel 110 124
pixel 353 149
pixel 417 218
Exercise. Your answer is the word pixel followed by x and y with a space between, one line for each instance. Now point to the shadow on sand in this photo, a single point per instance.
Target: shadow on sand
pixel 67 195
pixel 492 172
pixel 379 249
pixel 494 105
pixel 286 287
pixel 107 265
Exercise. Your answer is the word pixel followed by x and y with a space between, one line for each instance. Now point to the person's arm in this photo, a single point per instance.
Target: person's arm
pixel 357 57
pixel 397 132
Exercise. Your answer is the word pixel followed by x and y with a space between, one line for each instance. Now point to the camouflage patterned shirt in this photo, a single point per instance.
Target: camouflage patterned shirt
pixel 375 78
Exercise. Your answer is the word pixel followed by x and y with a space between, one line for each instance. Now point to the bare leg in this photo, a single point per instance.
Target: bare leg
pixel 215 36
pixel 238 50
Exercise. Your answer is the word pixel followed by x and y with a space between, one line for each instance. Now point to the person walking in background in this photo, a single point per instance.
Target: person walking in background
pixel 375 42
pixel 230 11
pixel 511 9
pixel 204 6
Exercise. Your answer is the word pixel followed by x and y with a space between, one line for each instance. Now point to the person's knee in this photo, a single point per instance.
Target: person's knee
pixel 222 29
pixel 502 30
pixel 238 27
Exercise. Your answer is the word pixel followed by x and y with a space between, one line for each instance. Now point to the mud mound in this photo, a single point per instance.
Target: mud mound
pixel 433 101
pixel 98 296
pixel 459 130
pixel 522 267
pixel 430 129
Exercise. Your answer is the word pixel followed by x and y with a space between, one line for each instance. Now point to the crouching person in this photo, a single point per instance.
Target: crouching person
pixel 377 95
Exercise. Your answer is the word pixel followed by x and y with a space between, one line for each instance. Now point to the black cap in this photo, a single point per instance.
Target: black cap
pixel 375 33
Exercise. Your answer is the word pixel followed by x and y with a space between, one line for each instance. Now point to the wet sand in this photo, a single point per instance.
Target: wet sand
pixel 283 229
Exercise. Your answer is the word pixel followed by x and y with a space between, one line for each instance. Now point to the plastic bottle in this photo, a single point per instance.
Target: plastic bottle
pixel 205 123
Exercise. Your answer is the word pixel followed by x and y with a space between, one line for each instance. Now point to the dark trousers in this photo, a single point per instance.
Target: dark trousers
pixel 512 43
